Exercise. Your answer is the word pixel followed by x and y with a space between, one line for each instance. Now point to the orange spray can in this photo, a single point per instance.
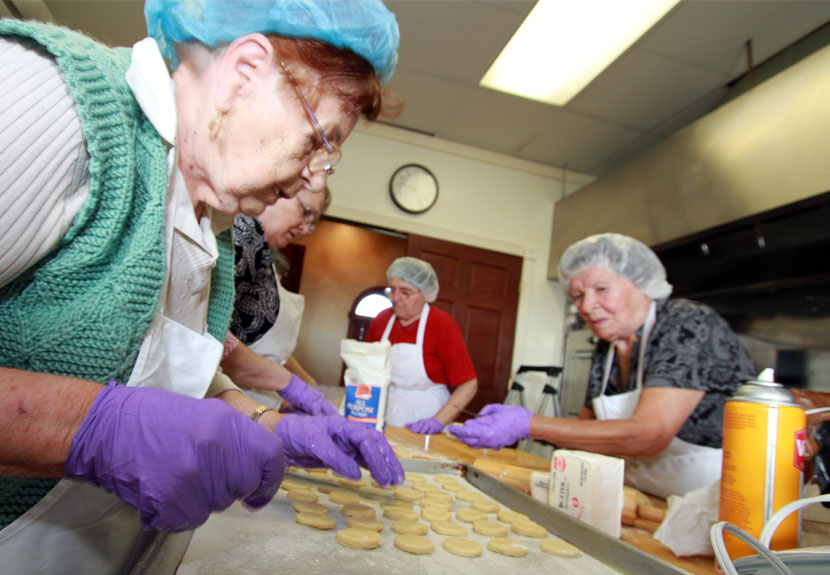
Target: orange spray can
pixel 764 439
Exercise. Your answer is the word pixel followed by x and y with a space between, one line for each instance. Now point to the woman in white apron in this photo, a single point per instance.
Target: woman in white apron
pixel 173 458
pixel 415 400
pixel 672 364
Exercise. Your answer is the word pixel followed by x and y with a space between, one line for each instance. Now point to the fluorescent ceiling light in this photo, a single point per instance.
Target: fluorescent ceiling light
pixel 564 44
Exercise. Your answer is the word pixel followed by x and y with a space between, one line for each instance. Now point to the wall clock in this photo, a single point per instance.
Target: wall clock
pixel 413 188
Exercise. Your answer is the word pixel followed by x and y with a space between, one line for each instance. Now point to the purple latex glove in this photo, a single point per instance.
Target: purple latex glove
pixel 333 441
pixel 172 457
pixel 305 399
pixel 497 426
pixel 428 426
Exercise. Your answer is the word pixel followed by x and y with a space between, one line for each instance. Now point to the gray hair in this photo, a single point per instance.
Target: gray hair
pixel 416 272
pixel 628 258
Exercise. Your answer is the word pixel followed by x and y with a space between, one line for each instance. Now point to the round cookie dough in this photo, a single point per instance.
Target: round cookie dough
pixel 453 487
pixel 509 516
pixel 342 497
pixel 442 505
pixel 397 503
pixel 506 546
pixel 316 520
pixel 445 479
pixel 326 488
pixel 468 514
pixel 437 496
pixel 309 507
pixel 486 506
pixel 302 495
pixel 559 548
pixel 433 513
pixel 489 528
pixel 365 523
pixel 462 547
pixel 409 527
pixel 289 484
pixel 407 494
pixel 528 528
pixel 351 482
pixel 414 477
pixel 444 527
pixel 417 544
pixel 468 496
pixel 424 487
pixel 358 510
pixel 358 538
pixel 396 513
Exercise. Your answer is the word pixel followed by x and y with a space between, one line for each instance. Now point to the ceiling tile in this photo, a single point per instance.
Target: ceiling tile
pixel 642 90
pixel 427 100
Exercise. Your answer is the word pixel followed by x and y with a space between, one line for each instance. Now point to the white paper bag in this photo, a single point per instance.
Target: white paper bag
pixel 685 530
pixel 589 487
pixel 367 376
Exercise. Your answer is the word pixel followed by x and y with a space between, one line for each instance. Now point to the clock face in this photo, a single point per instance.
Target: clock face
pixel 414 188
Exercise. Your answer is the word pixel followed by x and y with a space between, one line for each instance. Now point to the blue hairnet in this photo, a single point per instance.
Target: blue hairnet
pixel 366 27
pixel 628 258
pixel 416 272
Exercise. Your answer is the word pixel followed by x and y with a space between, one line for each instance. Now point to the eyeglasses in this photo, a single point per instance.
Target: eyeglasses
pixel 403 292
pixel 321 159
pixel 309 215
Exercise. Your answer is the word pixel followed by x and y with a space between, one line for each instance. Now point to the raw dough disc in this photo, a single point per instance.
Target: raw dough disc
pixel 316 520
pixel 318 471
pixel 559 548
pixel 365 523
pixel 302 495
pixel 445 479
pixel 509 516
pixel 433 513
pixel 417 544
pixel 528 528
pixel 424 487
pixel 397 503
pixel 342 497
pixel 442 505
pixel 453 487
pixel 289 484
pixel 462 547
pixel 358 538
pixel 486 506
pixel 326 488
pixel 407 494
pixel 437 496
pixel 444 527
pixel 396 513
pixel 507 546
pixel 414 477
pixel 373 490
pixel 351 482
pixel 468 496
pixel 358 510
pixel 489 528
pixel 309 507
pixel 409 528
pixel 468 514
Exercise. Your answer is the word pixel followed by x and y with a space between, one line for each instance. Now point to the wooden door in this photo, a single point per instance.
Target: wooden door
pixel 480 289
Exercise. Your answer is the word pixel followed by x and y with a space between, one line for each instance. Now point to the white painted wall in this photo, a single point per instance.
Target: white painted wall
pixel 485 200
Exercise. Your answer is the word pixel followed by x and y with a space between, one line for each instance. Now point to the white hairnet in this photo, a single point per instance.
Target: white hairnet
pixel 628 258
pixel 416 272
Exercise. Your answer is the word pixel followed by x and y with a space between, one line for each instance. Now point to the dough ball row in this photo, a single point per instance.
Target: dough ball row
pixel 363 531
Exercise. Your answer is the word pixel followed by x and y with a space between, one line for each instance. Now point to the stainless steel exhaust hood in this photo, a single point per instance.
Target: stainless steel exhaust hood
pixel 765 149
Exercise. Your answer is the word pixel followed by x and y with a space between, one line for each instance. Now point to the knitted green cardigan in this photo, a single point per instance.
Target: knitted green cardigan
pixel 83 310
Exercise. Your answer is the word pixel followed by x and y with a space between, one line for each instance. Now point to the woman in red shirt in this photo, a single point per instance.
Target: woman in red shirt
pixel 429 357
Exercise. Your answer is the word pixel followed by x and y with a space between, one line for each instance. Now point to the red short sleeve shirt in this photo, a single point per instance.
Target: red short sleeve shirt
pixel 445 355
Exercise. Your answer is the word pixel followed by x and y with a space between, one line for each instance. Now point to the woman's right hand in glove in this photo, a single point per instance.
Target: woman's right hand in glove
pixel 172 457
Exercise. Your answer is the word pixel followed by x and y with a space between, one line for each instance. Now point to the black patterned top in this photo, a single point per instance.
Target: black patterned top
pixel 690 347
pixel 257 299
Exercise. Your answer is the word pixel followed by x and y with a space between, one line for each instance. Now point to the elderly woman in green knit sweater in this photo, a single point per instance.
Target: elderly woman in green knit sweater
pixel 119 191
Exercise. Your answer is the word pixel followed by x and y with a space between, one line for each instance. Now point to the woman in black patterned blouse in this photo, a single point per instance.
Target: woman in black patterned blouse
pixel 659 405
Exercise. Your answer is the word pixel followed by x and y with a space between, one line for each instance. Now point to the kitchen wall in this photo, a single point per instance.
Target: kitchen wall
pixel 485 200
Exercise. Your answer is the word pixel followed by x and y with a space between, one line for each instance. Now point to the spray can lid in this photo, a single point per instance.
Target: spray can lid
pixel 763 389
